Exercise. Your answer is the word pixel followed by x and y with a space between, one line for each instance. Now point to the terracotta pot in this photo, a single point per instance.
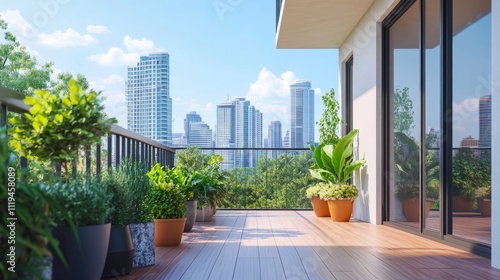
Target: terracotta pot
pixel 411 208
pixel 340 210
pixel 484 206
pixel 462 204
pixel 168 232
pixel 320 207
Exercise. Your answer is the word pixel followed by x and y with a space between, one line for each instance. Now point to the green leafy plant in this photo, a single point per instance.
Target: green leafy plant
pixel 314 190
pixel 339 191
pixel 84 202
pixel 335 163
pixel 408 162
pixel 138 185
pixel 470 172
pixel 32 227
pixel 329 122
pixel 115 182
pixel 486 192
pixel 59 124
pixel 164 200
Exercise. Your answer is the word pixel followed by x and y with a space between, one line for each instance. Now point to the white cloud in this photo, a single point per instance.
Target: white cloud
pixel 113 89
pixel 115 57
pixel 465 117
pixel 18 25
pixel 98 29
pixel 118 57
pixel 270 94
pixel 68 38
pixel 142 46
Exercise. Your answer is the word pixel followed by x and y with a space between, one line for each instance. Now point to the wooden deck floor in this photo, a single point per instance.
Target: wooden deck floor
pixel 297 245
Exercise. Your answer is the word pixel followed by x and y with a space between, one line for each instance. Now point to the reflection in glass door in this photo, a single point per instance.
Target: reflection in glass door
pixel 405 96
pixel 432 184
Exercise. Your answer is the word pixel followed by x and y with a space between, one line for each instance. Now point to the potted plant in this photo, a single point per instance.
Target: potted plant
pixel 484 202
pixel 407 182
pixel 213 188
pixel 470 173
pixel 141 225
pixel 166 205
pixel 121 248
pixel 29 260
pixel 319 205
pixel 58 125
pixel 335 164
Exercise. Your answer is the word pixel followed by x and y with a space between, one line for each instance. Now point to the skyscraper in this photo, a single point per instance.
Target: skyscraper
pixel 200 135
pixel 485 121
pixel 149 105
pixel 302 114
pixel 274 137
pixel 239 125
pixel 190 118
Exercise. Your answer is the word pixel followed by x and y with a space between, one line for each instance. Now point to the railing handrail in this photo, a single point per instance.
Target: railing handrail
pixel 246 149
pixel 118 130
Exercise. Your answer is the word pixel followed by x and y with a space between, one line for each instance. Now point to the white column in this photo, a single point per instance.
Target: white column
pixel 495 133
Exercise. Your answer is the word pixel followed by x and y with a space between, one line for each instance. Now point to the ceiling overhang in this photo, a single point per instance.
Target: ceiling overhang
pixel 317 24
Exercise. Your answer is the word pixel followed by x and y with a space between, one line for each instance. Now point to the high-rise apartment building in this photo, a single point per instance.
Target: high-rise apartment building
pixel 302 114
pixel 469 142
pixel 149 105
pixel 485 121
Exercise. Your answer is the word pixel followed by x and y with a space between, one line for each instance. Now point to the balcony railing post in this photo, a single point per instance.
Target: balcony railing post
pixel 117 150
pixel 3 115
pixel 110 151
pixel 98 160
pixel 88 161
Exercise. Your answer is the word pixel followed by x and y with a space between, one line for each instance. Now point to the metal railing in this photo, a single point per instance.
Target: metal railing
pixel 120 144
pixel 266 178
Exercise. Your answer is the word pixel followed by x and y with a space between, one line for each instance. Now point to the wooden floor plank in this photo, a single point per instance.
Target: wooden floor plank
pixel 297 245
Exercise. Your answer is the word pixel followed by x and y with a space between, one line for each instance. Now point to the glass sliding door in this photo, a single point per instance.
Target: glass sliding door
pixel 432 82
pixel 405 118
pixel 471 164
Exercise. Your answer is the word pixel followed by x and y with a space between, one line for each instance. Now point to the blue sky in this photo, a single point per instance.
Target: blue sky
pixel 217 48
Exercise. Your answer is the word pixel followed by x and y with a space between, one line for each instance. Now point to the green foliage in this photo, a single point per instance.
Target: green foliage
pixel 403 111
pixel 486 193
pixel 59 124
pixel 18 69
pixel 407 162
pixel 129 186
pixel 280 182
pixel 199 176
pixel 32 227
pixel 84 202
pixel 470 172
pixel 329 122
pixel 339 191
pixel 335 163
pixel 315 190
pixel 164 200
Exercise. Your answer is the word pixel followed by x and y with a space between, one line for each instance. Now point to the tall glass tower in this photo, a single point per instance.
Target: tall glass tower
pixel 149 105
pixel 485 121
pixel 302 114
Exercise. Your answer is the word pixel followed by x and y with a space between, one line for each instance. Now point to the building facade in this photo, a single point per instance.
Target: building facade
pixel 443 54
pixel 190 118
pixel 149 105
pixel 275 139
pixel 200 135
pixel 301 114
pixel 485 121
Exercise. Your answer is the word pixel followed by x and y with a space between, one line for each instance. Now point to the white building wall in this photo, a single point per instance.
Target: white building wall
pixel 364 43
pixel 495 133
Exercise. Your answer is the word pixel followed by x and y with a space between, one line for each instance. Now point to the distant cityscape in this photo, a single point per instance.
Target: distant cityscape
pixel 238 123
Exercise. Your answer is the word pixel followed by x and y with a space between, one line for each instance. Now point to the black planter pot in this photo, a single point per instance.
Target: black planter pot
pixel 191 215
pixel 143 237
pixel 85 259
pixel 120 252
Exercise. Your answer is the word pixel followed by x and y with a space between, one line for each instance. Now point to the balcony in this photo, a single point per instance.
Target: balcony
pixel 297 245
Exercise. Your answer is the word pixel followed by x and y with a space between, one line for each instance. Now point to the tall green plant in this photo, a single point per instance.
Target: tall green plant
pixel 335 163
pixel 329 122
pixel 59 124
